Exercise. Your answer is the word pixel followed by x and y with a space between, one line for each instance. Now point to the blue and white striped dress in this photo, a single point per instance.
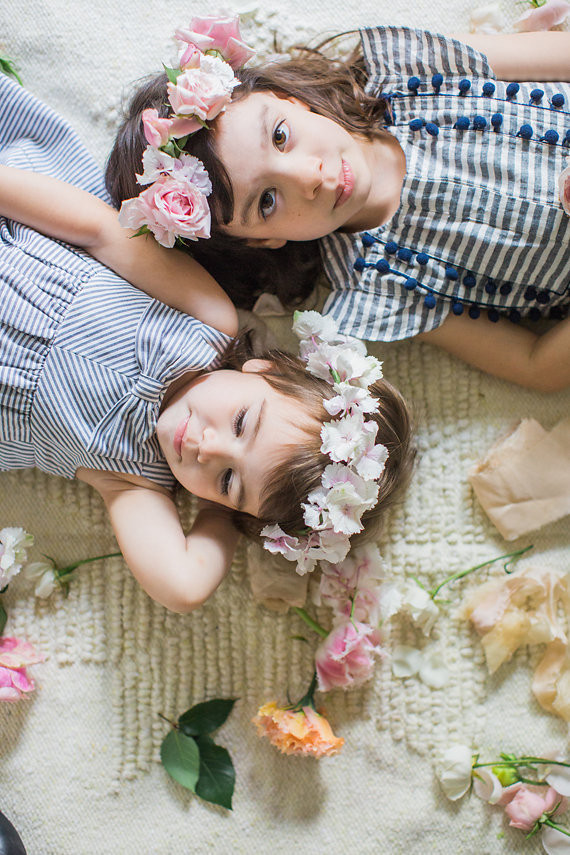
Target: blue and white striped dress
pixel 85 358
pixel 481 229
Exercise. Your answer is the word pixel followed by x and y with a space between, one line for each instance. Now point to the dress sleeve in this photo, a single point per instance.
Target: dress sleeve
pixel 395 55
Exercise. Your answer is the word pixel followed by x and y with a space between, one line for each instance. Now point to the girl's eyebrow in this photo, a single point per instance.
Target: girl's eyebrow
pixel 251 198
pixel 259 421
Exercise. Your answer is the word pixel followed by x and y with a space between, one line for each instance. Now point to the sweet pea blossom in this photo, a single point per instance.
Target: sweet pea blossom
pixel 297 731
pixel 345 658
pixel 15 656
pixel 185 167
pixel 214 33
pixel 487 785
pixel 311 324
pixel 454 771
pixel 169 208
pixel 45 577
pixel 14 545
pixel 409 598
pixel 350 400
pixel 550 14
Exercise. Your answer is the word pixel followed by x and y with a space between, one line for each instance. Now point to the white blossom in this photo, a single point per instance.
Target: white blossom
pixel 307 325
pixel 350 399
pixel 14 543
pixel 454 771
pixel 487 786
pixel 45 577
pixel 157 163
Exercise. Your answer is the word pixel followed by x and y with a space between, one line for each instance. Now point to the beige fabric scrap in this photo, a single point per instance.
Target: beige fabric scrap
pixel 524 480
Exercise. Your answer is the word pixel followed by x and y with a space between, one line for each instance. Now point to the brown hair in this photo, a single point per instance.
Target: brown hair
pixel 331 87
pixel 300 470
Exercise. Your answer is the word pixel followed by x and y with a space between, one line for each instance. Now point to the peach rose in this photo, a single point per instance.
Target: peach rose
pixel 170 208
pixel 303 731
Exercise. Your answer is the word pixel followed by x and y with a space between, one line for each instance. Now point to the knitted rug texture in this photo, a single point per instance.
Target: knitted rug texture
pixel 79 768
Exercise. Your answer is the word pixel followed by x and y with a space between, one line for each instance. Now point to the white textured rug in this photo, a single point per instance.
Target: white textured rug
pixel 79 772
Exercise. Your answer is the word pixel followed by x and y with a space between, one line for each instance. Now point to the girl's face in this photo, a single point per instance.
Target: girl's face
pixel 296 175
pixel 222 434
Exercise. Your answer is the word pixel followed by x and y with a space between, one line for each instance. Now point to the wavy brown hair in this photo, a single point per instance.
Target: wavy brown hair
pixel 302 464
pixel 329 86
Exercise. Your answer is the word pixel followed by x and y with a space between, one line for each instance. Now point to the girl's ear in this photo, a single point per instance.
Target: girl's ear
pixel 266 243
pixel 256 366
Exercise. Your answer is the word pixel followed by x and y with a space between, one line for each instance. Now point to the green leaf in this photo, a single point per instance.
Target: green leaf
pixel 172 73
pixel 8 66
pixel 206 717
pixel 3 618
pixel 181 759
pixel 144 230
pixel 217 774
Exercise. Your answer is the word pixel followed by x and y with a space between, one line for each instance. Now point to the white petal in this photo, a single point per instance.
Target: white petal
pixel 433 671
pixel 487 786
pixel 559 779
pixel 555 842
pixel 405 660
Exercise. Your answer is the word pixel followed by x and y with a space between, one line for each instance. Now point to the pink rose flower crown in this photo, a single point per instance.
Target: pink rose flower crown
pixel 174 205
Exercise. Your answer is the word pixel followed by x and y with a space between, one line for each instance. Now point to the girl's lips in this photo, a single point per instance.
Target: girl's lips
pixel 179 435
pixel 346 185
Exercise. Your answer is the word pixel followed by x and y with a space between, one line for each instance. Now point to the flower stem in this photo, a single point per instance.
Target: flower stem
pixel 311 622
pixel 461 573
pixel 523 761
pixel 67 571
pixel 557 827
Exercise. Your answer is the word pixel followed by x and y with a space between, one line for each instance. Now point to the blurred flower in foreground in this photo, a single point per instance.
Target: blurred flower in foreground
pixel 14 543
pixel 15 656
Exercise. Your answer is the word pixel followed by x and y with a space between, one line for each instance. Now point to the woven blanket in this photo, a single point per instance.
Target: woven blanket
pixel 79 769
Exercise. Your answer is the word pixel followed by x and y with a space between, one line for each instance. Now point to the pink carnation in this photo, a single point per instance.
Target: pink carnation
pixel 156 130
pixel 170 208
pixel 346 656
pixel 216 32
pixel 529 804
pixel 15 656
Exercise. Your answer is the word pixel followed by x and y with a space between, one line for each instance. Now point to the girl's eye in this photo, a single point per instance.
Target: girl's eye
pixel 267 203
pixel 281 135
pixel 226 481
pixel 238 422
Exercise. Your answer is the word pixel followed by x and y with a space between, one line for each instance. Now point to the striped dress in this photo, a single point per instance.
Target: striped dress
pixel 85 358
pixel 481 229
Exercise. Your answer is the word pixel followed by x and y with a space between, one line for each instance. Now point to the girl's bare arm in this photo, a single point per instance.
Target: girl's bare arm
pixel 67 213
pixel 178 571
pixel 509 351
pixel 524 56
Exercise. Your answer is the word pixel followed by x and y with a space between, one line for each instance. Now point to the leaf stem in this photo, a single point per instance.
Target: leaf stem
pixel 557 827
pixel 461 573
pixel 311 622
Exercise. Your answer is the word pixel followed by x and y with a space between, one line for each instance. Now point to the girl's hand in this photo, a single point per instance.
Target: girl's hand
pixel 509 350
pixel 177 570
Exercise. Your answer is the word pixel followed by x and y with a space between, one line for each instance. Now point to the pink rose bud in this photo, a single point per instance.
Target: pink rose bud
pixel 550 14
pixel 156 130
pixel 528 805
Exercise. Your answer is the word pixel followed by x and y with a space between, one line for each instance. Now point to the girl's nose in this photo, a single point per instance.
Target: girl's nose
pixel 308 174
pixel 209 446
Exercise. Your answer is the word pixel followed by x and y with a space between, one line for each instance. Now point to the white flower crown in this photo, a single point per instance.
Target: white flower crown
pixel 333 512
pixel 175 204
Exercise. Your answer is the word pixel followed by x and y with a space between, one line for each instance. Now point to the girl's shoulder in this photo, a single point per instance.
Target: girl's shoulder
pixel 402 57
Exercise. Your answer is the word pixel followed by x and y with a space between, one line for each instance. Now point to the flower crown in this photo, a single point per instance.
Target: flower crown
pixel 349 485
pixel 175 205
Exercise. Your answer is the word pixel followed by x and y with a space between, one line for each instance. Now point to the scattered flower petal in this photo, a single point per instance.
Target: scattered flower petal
pixel 406 660
pixel 455 771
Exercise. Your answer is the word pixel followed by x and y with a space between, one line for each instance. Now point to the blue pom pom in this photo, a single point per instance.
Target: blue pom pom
pixel 416 124
pixel 505 289
pixel 464 86
pixel 490 286
pixel 469 280
pixel 537 95
pixel 515 316
pixel 535 314
pixel 430 301
pixel 422 258
pixel 479 123
pixel 512 90
pixel 462 123
pixel 413 84
pixel 451 273
pixel 474 312
pixel 391 247
pixel 566 140
pixel 437 80
pixel 488 89
pixel 497 120
pixel 382 266
pixel 551 137
pixel 410 284
pixel 359 264
pixel 457 308
pixel 543 297
pixel 530 293
pixel 367 239
pixel 493 315
pixel 526 132
pixel 405 254
pixel 557 100
pixel 432 129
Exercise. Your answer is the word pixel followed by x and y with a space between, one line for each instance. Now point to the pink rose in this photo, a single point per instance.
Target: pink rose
pixel 217 32
pixel 15 656
pixel 346 656
pixel 529 804
pixel 156 130
pixel 171 208
pixel 564 188
pixel 550 14
pixel 199 93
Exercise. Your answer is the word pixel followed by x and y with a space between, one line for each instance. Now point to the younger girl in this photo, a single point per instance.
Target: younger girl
pixel 101 382
pixel 439 195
